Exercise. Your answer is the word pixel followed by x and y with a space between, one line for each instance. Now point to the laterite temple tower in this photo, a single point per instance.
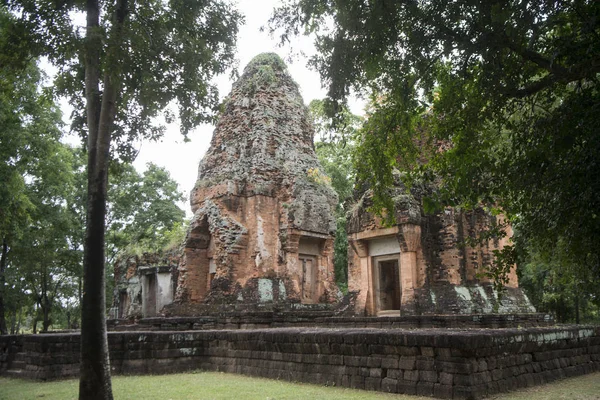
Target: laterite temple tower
pixel 263 220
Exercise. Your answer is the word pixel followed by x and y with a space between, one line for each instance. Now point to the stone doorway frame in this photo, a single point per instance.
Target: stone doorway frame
pixel 376 262
pixel 409 239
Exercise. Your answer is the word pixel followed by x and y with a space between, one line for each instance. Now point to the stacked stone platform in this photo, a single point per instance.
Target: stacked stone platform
pixel 446 363
pixel 328 319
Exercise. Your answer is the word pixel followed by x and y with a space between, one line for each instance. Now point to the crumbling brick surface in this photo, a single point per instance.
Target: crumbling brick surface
pixel 450 259
pixel 259 196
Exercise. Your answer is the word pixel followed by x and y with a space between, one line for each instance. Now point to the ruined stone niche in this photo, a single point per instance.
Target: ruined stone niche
pixel 263 226
pixel 144 284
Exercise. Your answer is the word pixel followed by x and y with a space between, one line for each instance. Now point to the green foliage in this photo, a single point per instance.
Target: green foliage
pixel 335 153
pixel 173 50
pixel 44 262
pixel 143 210
pixel 267 59
pixel 30 129
pixel 315 176
pixel 32 168
pixel 263 70
pixel 561 285
pixel 335 146
pixel 508 90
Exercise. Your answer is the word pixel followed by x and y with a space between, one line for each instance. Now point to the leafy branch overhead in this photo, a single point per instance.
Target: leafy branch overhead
pixel 509 91
pixel 168 53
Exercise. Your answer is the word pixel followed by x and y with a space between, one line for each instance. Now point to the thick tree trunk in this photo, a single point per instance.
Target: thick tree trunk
pixel 95 382
pixel 3 330
pixel 577 308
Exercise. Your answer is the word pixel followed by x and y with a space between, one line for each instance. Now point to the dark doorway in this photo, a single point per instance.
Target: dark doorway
pixel 389 284
pixel 309 278
pixel 123 303
pixel 150 295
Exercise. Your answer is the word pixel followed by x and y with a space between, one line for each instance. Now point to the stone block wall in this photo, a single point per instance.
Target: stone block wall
pixel 253 319
pixel 10 346
pixel 444 363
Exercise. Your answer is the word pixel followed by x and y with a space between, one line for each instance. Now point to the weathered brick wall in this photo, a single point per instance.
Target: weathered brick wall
pixel 432 362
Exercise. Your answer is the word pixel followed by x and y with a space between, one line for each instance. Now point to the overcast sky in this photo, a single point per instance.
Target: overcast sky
pixel 182 159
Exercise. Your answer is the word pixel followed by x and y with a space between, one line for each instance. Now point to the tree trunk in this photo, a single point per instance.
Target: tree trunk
pixel 19 320
pixel 95 382
pixel 13 323
pixel 3 330
pixel 45 306
pixel 577 307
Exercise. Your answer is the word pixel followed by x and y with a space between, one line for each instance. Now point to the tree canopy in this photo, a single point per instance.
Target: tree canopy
pixel 508 88
pixel 30 156
pixel 335 147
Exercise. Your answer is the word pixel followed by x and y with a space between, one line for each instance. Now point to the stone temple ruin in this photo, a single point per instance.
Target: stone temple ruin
pixel 251 290
pixel 262 231
pixel 263 225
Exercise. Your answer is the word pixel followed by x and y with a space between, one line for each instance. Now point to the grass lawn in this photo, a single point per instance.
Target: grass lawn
pixel 213 385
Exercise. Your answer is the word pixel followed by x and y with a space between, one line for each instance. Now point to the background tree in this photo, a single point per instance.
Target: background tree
pixel 142 209
pixel 511 88
pixel 561 285
pixel 42 254
pixel 44 266
pixel 132 63
pixel 29 132
pixel 334 148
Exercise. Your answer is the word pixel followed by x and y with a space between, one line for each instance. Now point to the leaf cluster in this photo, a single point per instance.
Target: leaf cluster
pixel 169 52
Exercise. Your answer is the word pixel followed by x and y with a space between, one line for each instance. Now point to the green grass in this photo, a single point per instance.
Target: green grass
pixel 212 385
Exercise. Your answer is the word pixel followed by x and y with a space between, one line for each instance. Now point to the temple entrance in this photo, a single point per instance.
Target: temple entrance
pixel 149 295
pixel 123 303
pixel 387 284
pixel 309 278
